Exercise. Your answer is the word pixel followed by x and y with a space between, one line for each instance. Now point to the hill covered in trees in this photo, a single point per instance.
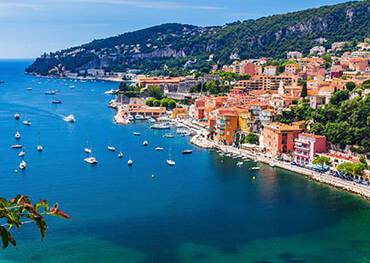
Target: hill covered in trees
pixel 171 48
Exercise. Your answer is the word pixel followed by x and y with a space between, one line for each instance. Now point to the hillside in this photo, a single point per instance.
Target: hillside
pixel 177 46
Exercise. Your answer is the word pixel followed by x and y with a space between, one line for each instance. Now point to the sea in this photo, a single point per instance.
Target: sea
pixel 206 208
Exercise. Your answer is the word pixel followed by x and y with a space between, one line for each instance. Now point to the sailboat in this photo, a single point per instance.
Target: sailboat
pixel 145 143
pixel 39 146
pixel 120 154
pixel 130 162
pixel 169 161
pixel 87 149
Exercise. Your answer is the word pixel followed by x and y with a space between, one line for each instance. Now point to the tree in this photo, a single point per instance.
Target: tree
pixel 339 96
pixel 19 210
pixel 155 92
pixel 304 90
pixel 251 138
pixel 350 86
pixel 321 160
pixel 150 102
pixel 156 103
pixel 171 104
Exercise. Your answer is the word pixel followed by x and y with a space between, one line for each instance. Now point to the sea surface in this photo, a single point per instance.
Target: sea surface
pixel 204 209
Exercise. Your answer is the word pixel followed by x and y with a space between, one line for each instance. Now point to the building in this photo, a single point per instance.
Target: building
pixel 292 68
pixel 279 138
pixel 318 50
pixel 270 70
pixel 266 82
pixel 247 68
pixel 294 55
pixel 306 146
pixel 226 125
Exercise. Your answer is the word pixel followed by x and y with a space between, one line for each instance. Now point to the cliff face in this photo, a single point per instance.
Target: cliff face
pixel 174 45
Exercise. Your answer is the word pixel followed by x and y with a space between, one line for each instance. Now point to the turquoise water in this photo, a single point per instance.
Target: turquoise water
pixel 205 209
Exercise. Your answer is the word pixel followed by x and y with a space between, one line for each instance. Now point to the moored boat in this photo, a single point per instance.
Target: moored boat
pixel 188 151
pixel 40 148
pixel 136 133
pixel 27 123
pixel 145 143
pixel 91 160
pixel 16 146
pixel 17 135
pixel 16 116
pixel 56 102
pixel 130 162
pixel 22 165
pixel 159 149
pixel 160 126
pixel 111 148
pixel 170 162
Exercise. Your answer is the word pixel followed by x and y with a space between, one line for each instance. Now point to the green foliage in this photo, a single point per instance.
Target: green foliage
pixel 128 90
pixel 350 86
pixel 300 112
pixel 251 138
pixel 304 89
pixel 155 92
pixel 321 160
pixel 19 210
pixel 354 169
pixel 150 102
pixel 339 96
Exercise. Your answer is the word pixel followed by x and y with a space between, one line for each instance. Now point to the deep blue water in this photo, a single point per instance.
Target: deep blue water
pixel 205 209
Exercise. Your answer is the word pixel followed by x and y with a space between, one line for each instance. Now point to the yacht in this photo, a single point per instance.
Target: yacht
pixel 27 123
pixel 159 149
pixel 16 146
pixel 187 152
pixel 168 135
pixel 145 143
pixel 136 133
pixel 130 162
pixel 69 118
pixel 91 160
pixel 40 148
pixel 16 116
pixel 50 92
pixel 139 117
pixel 21 153
pixel 111 148
pixel 29 89
pixel 120 155
pixel 161 126
pixel 17 135
pixel 22 165
pixel 87 150
pixel 255 168
pixel 170 162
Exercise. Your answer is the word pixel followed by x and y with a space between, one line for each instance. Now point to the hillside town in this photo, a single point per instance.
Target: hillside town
pixel 249 106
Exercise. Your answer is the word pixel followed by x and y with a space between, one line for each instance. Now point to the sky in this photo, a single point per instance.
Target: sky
pixel 29 28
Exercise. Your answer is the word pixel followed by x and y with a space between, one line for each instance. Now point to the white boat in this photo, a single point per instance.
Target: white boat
pixel 87 150
pixel 16 146
pixel 110 92
pixel 130 162
pixel 27 123
pixel 29 89
pixel 145 143
pixel 91 160
pixel 17 116
pixel 40 148
pixel 160 126
pixel 120 155
pixel 22 165
pixel 111 148
pixel 255 168
pixel 187 151
pixel 17 135
pixel 168 135
pixel 239 164
pixel 139 117
pixel 50 92
pixel 170 162
pixel 136 133
pixel 152 120
pixel 272 164
pixel 159 149
pixel 130 118
pixel 69 118
pixel 21 153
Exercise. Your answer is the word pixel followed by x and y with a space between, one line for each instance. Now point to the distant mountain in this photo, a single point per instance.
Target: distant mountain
pixel 177 46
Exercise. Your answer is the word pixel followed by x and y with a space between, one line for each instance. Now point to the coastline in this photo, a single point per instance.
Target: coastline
pixel 200 140
pixel 109 79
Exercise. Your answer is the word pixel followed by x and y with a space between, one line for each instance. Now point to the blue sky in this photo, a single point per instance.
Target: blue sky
pixel 31 27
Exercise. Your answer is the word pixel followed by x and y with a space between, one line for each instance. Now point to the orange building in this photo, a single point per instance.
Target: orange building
pixel 226 125
pixel 278 138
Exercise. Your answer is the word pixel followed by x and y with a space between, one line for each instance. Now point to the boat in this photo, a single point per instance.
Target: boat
pixel 255 168
pixel 17 135
pixel 87 150
pixel 170 162
pixel 130 118
pixel 16 116
pixel 120 155
pixel 2 81
pixel 40 148
pixel 168 135
pixel 56 102
pixel 159 149
pixel 69 118
pixel 22 165
pixel 50 92
pixel 136 133
pixel 161 126
pixel 110 92
pixel 16 146
pixel 272 164
pixel 29 89
pixel 187 152
pixel 27 123
pixel 145 143
pixel 21 153
pixel 72 86
pixel 111 148
pixel 239 164
pixel 152 120
pixel 139 117
pixel 130 162
pixel 91 160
